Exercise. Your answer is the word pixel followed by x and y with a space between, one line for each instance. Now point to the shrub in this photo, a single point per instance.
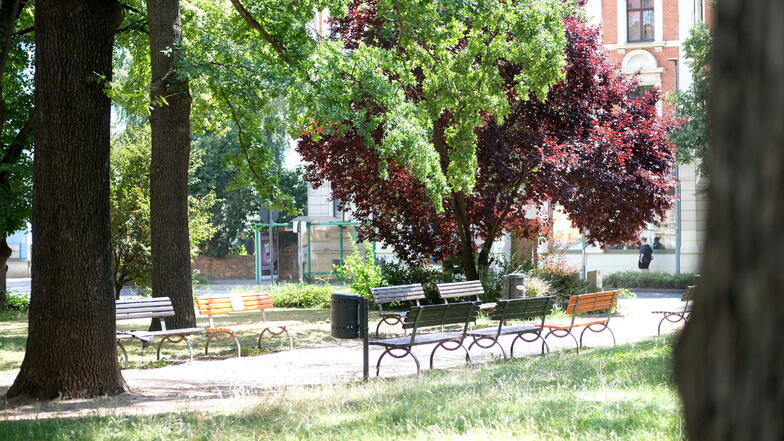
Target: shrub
pixel 638 279
pixel 536 286
pixel 16 302
pixel 301 295
pixel 564 282
pixel 361 272
pixel 399 273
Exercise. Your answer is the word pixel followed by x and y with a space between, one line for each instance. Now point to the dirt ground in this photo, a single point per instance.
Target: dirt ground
pixel 225 385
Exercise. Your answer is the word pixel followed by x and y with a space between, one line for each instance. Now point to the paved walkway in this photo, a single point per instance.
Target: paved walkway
pixel 224 385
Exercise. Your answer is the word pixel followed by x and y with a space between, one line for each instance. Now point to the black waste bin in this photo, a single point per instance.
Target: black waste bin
pixel 347 316
pixel 513 286
pixel 350 320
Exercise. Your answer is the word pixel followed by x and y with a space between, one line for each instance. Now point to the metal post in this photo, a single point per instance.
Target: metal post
pixel 272 256
pixel 340 231
pixel 363 322
pixel 585 259
pixel 676 173
pixel 375 256
pixel 310 270
pixel 257 239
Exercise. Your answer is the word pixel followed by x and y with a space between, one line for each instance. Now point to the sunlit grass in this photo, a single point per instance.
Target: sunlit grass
pixel 623 393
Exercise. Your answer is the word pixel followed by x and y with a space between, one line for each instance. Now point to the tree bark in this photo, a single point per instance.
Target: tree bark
pixel 464 233
pixel 71 347
pixel 170 124
pixel 5 253
pixel 729 359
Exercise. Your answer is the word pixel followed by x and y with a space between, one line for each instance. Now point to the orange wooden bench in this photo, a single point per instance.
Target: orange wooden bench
pixel 604 301
pixel 216 305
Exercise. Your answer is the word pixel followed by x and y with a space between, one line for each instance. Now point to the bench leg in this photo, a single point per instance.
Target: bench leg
pixel 668 317
pixel 228 336
pixel 174 339
pixel 121 346
pixel 590 328
pixel 522 337
pixel 493 342
pixel 458 345
pixel 386 320
pixel 393 355
pixel 282 331
pixel 564 333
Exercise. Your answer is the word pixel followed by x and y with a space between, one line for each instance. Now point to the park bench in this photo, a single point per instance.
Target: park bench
pixel 154 308
pixel 429 316
pixel 393 294
pixel 516 309
pixel 470 289
pixel 220 305
pixel 596 302
pixel 677 315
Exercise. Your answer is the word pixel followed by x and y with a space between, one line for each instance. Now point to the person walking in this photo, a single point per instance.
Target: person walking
pixel 646 255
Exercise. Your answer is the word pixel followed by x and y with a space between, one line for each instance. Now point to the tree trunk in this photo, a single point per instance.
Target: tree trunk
pixel 730 357
pixel 5 253
pixel 170 124
pixel 71 347
pixel 466 238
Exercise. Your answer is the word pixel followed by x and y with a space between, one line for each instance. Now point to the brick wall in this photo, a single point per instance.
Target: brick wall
pixel 671 19
pixel 226 268
pixel 609 22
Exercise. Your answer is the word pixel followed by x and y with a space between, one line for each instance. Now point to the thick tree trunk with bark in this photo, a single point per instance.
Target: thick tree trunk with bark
pixel 5 253
pixel 466 238
pixel 730 358
pixel 170 124
pixel 71 350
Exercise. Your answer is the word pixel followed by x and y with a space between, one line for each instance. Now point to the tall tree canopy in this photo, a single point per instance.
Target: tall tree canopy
pixel 16 124
pixel 587 144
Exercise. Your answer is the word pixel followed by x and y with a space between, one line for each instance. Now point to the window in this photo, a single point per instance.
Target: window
pixel 640 91
pixel 639 20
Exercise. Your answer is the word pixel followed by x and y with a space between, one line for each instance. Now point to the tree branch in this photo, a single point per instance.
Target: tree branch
pixel 254 24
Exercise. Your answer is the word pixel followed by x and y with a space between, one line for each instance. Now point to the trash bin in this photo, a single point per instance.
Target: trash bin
pixel 350 320
pixel 346 317
pixel 514 286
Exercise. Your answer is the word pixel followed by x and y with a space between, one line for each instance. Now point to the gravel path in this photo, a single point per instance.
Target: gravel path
pixel 226 385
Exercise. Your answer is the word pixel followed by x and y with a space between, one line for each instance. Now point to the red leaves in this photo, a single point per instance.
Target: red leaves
pixel 590 147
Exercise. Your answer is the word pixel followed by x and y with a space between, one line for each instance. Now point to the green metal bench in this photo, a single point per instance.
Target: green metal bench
pixel 420 317
pixel 678 315
pixel 394 294
pixel 517 309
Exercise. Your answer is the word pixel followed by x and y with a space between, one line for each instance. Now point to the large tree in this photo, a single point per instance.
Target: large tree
pixel 71 338
pixel 171 146
pixel 16 124
pixel 729 359
pixel 588 145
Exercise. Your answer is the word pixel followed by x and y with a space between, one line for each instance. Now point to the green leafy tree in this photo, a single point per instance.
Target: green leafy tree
pixel 16 124
pixel 360 271
pixel 691 106
pixel 130 208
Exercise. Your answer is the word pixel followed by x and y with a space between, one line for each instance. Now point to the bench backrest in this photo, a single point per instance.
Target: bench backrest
pixel 397 293
pixel 597 301
pixel 440 315
pixel 472 288
pixel 527 308
pixel 227 303
pixel 156 307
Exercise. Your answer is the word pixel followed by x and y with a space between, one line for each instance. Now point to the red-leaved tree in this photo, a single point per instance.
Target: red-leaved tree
pixel 593 146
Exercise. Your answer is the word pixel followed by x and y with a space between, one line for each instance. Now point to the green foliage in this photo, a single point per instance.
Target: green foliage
pixel 691 106
pixel 564 282
pixel 130 207
pixel 15 302
pixel 442 70
pixel 650 280
pixel 361 272
pixel 301 295
pixel 536 286
pixel 401 273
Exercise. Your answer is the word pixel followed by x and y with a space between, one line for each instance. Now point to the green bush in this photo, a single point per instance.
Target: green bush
pixel 638 279
pixel 564 282
pixel 16 302
pixel 361 272
pixel 536 286
pixel 301 295
pixel 399 273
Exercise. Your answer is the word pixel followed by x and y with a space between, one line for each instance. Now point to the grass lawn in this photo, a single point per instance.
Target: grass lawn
pixel 621 393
